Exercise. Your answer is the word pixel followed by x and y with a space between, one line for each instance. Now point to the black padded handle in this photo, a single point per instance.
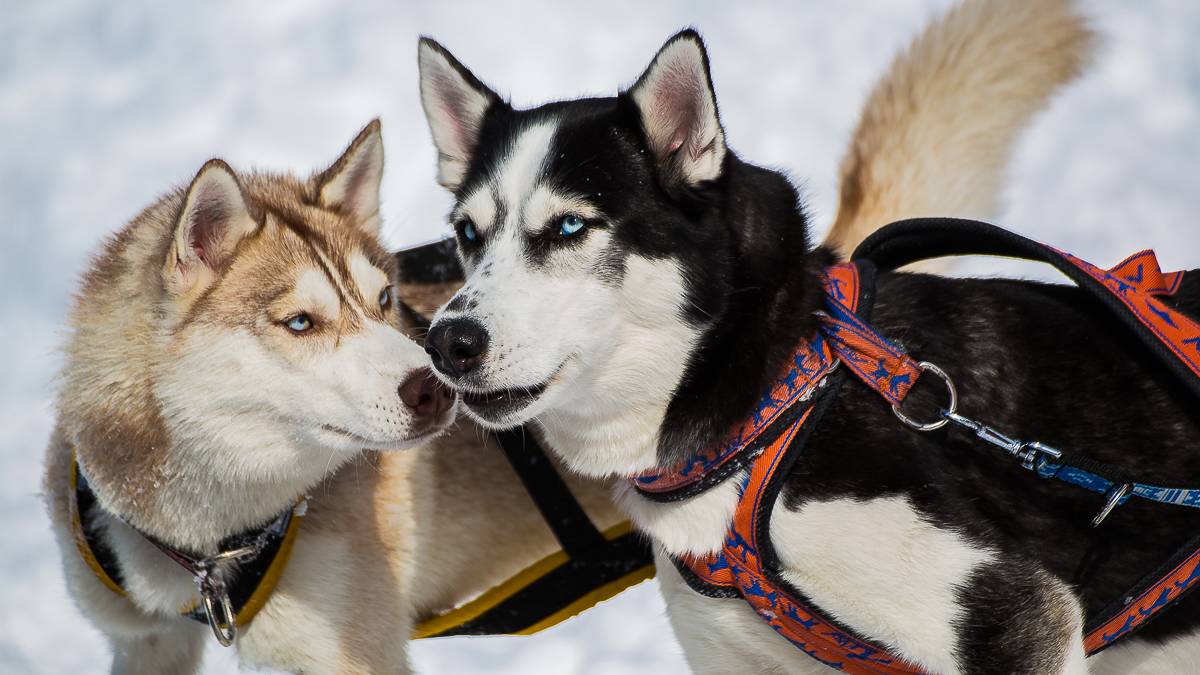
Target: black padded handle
pixel 916 239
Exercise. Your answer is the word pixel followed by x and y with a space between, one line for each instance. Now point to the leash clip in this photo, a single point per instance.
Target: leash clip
pixel 218 608
pixel 1033 451
pixel 219 611
pixel 1028 452
pixel 1115 496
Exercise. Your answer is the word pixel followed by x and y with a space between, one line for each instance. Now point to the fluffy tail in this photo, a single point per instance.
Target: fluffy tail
pixel 937 131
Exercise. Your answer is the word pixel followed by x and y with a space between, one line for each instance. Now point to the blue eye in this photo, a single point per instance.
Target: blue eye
pixel 468 230
pixel 299 323
pixel 570 225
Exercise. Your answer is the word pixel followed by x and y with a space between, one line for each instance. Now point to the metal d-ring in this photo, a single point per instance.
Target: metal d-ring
pixel 951 409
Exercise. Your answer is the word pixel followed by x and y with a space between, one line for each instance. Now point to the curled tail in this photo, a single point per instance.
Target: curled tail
pixel 937 131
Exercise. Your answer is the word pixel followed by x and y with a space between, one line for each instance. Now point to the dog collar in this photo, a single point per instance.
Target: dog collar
pixel 233 585
pixel 787 397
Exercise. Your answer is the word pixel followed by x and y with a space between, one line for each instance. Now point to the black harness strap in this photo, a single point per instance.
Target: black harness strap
pixel 85 501
pixel 553 499
pixel 432 263
pixel 549 598
pixel 593 563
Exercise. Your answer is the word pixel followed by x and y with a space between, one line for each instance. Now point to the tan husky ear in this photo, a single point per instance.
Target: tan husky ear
pixel 213 219
pixel 351 185
pixel 679 112
pixel 455 103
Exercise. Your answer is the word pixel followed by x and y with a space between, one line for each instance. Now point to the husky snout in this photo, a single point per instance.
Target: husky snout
pixel 427 399
pixel 457 345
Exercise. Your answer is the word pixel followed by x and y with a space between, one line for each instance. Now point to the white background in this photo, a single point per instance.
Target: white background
pixel 103 106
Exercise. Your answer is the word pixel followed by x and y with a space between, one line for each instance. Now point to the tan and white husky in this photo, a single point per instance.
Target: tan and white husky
pixel 234 349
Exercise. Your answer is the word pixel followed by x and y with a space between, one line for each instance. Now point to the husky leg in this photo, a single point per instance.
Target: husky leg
pixel 178 650
pixel 935 596
pixel 1020 619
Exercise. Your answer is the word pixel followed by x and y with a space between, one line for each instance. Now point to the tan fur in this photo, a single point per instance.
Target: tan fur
pixel 426 298
pixel 937 131
pixel 352 590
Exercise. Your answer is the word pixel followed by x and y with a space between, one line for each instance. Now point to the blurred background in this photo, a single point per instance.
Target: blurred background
pixel 103 106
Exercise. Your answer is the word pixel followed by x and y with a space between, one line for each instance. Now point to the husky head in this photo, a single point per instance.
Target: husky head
pixel 244 333
pixel 624 266
pixel 282 309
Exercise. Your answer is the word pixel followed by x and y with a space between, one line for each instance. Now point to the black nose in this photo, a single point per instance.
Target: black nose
pixel 456 345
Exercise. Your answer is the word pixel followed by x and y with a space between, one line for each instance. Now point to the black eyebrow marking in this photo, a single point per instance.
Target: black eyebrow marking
pixel 501 211
pixel 310 239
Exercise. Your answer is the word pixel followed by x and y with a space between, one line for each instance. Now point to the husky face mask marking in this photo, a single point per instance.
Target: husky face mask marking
pixel 582 226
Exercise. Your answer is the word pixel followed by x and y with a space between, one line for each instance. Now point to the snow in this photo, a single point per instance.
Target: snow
pixel 105 105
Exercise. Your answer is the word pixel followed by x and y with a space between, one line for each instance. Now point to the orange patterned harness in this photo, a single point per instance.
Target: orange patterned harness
pixel 769 441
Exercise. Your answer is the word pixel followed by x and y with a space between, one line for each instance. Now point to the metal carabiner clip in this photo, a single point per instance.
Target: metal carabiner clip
pixel 221 619
pixel 217 606
pixel 1115 496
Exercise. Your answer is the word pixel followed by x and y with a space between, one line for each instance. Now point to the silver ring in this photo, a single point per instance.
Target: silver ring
pixel 928 367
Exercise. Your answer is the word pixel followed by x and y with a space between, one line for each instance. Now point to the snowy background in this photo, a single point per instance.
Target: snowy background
pixel 103 106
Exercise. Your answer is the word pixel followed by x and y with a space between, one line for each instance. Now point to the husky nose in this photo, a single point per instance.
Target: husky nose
pixel 425 397
pixel 456 345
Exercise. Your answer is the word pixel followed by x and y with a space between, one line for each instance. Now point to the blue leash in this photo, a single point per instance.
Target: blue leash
pixel 1048 462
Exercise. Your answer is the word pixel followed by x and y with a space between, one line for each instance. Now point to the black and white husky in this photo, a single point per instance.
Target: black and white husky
pixel 633 284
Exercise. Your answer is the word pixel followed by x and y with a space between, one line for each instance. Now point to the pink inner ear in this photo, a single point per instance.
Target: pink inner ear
pixel 358 175
pixel 678 100
pixel 454 105
pixel 209 220
pixel 676 142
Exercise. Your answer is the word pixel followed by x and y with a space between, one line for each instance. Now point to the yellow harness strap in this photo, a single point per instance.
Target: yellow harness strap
pixel 534 599
pixel 542 595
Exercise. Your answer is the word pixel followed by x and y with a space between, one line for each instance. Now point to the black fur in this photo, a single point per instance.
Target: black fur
pixel 1040 362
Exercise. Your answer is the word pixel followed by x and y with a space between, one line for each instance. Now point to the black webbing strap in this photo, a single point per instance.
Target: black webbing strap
pixel 432 263
pixel 916 239
pixel 565 590
pixel 562 512
pixel 85 501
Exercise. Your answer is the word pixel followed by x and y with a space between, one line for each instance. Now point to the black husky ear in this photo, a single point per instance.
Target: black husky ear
pixel 679 111
pixel 455 103
pixel 351 185
pixel 213 219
